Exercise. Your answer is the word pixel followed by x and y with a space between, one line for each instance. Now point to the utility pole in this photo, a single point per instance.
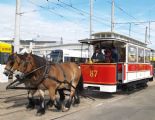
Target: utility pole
pixel 129 29
pixel 112 16
pixel 91 15
pixel 149 30
pixel 146 34
pixel 90 49
pixel 17 27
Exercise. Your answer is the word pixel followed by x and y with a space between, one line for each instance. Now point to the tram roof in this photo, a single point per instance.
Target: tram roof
pixel 111 36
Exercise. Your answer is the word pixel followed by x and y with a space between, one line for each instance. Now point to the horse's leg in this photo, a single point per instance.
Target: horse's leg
pixel 62 94
pixel 76 98
pixel 31 101
pixel 52 94
pixel 59 102
pixel 41 109
pixel 78 82
pixel 69 101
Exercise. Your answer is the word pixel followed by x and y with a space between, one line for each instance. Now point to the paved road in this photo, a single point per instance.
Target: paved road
pixel 136 106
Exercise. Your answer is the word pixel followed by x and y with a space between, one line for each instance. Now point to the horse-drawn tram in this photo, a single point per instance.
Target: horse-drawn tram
pixel 126 63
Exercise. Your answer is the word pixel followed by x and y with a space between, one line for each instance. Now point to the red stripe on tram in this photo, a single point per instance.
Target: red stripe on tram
pixel 138 67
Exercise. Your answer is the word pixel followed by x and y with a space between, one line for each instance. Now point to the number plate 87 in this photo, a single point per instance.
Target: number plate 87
pixel 93 73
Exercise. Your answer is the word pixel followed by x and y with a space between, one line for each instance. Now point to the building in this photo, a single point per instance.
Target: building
pixel 42 47
pixel 29 45
pixel 44 50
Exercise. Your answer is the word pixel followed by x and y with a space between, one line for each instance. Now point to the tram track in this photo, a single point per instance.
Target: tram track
pixel 22 94
pixel 14 104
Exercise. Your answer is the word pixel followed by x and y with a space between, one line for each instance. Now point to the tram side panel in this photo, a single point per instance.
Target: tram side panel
pixel 136 72
pixel 107 77
pixel 101 77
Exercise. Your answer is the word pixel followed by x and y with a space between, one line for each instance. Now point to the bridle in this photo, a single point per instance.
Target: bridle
pixel 9 69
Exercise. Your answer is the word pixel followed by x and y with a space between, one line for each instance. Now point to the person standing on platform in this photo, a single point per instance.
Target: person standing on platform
pixel 97 55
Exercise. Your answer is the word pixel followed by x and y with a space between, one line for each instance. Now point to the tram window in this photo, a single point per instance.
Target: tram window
pixel 140 55
pixel 74 59
pixel 70 59
pixel 66 59
pixel 121 54
pixel 108 35
pixel 132 54
pixel 103 35
pixel 147 56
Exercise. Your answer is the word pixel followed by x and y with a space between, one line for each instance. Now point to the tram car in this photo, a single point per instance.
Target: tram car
pixel 126 63
pixel 152 59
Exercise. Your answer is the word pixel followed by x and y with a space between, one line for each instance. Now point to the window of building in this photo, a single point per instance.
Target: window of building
pixel 132 54
pixel 140 55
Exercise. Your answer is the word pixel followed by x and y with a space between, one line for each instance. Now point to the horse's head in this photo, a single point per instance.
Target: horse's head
pixel 9 64
pixel 26 65
pixel 17 61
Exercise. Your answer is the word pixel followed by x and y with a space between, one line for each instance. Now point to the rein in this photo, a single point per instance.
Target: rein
pixel 65 80
pixel 45 75
pixel 15 83
pixel 10 71
pixel 27 74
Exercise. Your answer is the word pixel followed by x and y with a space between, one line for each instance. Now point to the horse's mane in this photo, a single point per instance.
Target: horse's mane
pixel 39 61
pixel 21 56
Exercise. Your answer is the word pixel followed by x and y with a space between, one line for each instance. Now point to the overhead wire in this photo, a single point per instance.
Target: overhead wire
pixel 81 12
pixel 52 11
pixel 84 12
pixel 143 23
pixel 48 9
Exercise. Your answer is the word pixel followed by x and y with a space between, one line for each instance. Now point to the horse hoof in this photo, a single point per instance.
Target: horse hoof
pixel 40 112
pixel 65 109
pixel 30 107
pixel 49 104
pixel 77 101
pixel 75 105
pixel 58 107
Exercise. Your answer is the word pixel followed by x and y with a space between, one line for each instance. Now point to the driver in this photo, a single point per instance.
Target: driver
pixel 98 55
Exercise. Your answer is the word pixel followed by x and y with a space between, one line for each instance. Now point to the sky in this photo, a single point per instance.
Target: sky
pixel 69 19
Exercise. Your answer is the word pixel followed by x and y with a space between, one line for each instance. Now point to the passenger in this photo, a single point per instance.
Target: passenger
pixel 108 55
pixel 98 56
pixel 114 55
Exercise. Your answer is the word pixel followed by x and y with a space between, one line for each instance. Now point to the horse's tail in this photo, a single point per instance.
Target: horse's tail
pixel 80 87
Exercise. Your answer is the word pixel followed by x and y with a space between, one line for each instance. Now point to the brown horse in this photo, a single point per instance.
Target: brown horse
pixel 13 62
pixel 53 76
pixel 12 65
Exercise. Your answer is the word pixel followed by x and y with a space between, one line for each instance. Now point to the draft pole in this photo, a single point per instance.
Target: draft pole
pixel 17 27
pixel 112 16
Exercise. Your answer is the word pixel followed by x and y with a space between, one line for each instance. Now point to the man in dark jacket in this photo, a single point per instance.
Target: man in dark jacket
pixel 98 56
